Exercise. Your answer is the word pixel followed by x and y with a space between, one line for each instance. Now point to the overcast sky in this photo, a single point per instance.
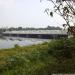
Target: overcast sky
pixel 26 13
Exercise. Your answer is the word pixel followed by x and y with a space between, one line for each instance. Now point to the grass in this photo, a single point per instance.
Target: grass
pixel 41 59
pixel 24 60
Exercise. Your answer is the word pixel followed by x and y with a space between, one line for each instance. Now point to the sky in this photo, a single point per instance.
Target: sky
pixel 27 13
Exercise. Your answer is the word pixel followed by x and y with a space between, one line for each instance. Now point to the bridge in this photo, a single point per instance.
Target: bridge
pixel 43 34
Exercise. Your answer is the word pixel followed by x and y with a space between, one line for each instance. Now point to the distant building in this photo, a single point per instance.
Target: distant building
pixel 44 34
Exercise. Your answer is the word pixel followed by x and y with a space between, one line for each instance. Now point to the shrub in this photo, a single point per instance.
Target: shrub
pixel 62 49
pixel 17 46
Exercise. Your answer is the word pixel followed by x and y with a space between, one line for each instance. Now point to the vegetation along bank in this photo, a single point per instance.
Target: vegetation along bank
pixel 56 56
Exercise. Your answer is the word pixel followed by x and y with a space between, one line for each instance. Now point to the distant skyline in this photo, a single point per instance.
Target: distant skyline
pixel 27 13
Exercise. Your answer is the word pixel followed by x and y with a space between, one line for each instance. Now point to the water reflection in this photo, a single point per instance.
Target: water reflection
pixel 9 42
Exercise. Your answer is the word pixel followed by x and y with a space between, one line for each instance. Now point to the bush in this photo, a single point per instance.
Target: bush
pixel 62 49
pixel 17 46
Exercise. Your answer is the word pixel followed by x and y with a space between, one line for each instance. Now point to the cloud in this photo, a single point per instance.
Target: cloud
pixel 7 12
pixel 7 3
pixel 7 7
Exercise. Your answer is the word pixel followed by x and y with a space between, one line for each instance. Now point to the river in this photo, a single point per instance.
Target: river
pixel 9 42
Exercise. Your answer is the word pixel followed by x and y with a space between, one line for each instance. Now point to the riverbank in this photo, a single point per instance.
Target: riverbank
pixel 24 60
pixel 43 59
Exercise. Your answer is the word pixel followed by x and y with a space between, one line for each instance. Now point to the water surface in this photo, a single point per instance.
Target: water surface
pixel 9 42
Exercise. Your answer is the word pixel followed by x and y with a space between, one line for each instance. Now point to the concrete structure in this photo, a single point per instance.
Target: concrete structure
pixel 44 34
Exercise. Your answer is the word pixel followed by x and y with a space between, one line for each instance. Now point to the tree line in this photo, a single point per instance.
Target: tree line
pixel 29 28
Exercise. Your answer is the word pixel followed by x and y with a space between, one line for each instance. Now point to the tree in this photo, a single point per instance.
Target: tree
pixel 19 28
pixel 66 9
